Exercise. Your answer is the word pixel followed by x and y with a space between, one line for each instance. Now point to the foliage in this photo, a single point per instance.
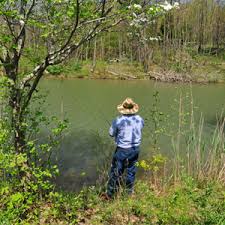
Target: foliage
pixel 189 202
pixel 27 177
pixel 55 70
pixel 154 164
pixel 156 120
pixel 75 68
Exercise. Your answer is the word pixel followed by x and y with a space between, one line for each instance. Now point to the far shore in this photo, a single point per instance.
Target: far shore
pixel 201 72
pixel 161 76
pixel 125 70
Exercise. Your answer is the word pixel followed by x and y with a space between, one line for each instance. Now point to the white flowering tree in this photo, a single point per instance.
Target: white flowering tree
pixel 141 19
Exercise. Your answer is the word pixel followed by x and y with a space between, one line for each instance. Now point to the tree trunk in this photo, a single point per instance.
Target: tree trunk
pixel 17 119
pixel 201 28
pixel 94 56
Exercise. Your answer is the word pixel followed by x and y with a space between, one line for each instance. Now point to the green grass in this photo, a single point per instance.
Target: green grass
pixel 185 203
pixel 188 202
pixel 211 68
pixel 200 67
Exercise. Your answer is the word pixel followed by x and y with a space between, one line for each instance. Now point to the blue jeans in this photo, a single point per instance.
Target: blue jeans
pixel 123 158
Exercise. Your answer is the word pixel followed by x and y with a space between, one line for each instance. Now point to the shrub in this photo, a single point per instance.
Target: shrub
pixel 55 70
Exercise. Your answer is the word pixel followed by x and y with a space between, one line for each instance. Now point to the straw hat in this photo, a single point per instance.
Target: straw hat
pixel 128 107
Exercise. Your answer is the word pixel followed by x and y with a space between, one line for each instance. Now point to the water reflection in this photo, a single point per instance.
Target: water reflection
pixel 81 157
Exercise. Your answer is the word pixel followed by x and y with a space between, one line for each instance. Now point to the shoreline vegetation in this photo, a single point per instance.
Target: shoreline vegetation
pixel 187 202
pixel 206 70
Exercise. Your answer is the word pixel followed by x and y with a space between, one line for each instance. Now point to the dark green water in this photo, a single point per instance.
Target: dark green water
pixel 90 105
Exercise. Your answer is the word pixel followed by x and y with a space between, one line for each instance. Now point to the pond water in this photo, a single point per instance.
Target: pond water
pixel 90 106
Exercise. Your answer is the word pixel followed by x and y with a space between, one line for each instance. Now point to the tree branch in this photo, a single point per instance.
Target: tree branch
pixel 30 10
pixel 20 39
pixel 9 24
pixel 37 74
pixel 96 20
pixel 103 7
pixel 60 56
pixel 2 60
pixel 23 5
pixel 74 28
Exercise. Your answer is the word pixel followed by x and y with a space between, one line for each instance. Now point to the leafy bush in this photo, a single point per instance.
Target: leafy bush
pixel 55 70
pixel 76 66
pixel 26 175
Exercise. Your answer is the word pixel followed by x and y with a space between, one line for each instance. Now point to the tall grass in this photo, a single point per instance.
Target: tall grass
pixel 204 157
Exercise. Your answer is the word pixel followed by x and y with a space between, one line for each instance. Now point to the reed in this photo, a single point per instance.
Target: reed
pixel 195 154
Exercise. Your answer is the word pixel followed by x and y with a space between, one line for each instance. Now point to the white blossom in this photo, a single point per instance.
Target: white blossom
pixel 136 6
pixel 138 21
pixel 167 6
pixel 154 38
pixel 135 15
pixel 143 20
pixel 21 22
pixel 176 5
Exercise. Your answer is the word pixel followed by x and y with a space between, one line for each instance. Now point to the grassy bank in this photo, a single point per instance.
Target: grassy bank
pixel 182 68
pixel 187 202
pixel 101 70
pixel 184 203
